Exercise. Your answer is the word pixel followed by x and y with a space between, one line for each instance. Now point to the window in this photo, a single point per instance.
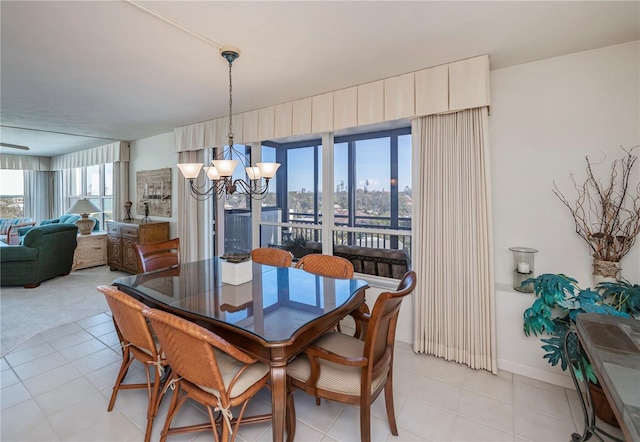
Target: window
pixel 11 193
pixel 303 184
pixel 371 192
pixel 94 183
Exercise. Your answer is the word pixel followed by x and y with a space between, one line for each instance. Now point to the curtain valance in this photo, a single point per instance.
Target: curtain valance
pixel 24 162
pixel 109 153
pixel 442 89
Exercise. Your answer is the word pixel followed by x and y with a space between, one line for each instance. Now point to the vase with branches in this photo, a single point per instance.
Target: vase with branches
pixel 607 214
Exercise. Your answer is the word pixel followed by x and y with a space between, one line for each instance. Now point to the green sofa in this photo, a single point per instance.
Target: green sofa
pixel 46 252
pixel 64 219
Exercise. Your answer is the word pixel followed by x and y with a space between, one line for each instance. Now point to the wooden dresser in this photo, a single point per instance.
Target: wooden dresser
pixel 122 238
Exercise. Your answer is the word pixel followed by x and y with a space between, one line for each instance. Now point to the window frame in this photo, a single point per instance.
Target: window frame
pixel 352 228
pixel 98 200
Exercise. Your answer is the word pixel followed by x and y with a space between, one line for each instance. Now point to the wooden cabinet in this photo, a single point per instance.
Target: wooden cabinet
pixel 91 251
pixel 122 238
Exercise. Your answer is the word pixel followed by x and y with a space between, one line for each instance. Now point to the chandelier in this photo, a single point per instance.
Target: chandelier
pixel 221 170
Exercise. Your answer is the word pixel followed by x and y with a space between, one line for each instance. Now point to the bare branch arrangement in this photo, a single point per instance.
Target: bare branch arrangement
pixel 607 216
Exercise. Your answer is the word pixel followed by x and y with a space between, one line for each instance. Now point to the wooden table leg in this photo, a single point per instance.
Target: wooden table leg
pixel 278 401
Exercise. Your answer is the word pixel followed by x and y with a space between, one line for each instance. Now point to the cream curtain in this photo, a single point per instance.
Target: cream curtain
pixel 453 257
pixel 58 198
pixel 38 194
pixel 195 217
pixel 120 189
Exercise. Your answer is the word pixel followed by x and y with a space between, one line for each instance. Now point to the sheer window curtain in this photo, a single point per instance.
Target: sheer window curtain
pixel 38 194
pixel 454 306
pixel 120 188
pixel 195 218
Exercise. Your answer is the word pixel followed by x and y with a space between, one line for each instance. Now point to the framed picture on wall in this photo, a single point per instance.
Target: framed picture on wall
pixel 153 187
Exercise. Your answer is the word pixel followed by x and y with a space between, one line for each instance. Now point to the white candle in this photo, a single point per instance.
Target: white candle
pixel 523 267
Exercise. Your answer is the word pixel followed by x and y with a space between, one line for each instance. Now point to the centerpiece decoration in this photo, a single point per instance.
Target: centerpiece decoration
pixel 236 268
pixel 607 215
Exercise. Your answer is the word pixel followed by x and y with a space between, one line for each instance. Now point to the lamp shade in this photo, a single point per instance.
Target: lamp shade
pixel 190 170
pixel 225 167
pixel 212 173
pixel 84 206
pixel 268 170
pixel 253 173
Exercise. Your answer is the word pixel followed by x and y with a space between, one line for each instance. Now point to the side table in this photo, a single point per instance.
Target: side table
pixel 91 251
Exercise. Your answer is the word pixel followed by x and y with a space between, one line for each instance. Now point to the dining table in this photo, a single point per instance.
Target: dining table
pixel 273 316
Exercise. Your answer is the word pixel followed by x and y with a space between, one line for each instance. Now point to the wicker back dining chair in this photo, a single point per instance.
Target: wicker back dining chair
pixel 159 255
pixel 138 344
pixel 332 267
pixel 345 369
pixel 326 265
pixel 210 371
pixel 272 256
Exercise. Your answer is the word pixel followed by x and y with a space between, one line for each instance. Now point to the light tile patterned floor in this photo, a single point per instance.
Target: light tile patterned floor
pixel 56 387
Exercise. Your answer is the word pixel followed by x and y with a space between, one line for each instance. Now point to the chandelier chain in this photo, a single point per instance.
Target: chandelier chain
pixel 230 107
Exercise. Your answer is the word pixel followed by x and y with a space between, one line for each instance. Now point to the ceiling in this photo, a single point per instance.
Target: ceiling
pixel 81 74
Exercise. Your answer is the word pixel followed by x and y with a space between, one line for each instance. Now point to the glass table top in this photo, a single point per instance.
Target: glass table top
pixel 273 305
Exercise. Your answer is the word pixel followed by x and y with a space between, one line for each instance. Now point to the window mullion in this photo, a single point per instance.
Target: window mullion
pixel 327 192
pixel 351 183
pixel 393 188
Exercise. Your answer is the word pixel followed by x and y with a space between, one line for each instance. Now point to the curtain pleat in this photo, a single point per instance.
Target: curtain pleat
pixel 120 188
pixel 57 200
pixel 38 190
pixel 454 306
pixel 195 217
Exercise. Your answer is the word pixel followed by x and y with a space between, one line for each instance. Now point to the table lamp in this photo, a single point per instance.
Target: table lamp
pixel 84 207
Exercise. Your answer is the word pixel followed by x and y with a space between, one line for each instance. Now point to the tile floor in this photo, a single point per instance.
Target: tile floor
pixel 56 387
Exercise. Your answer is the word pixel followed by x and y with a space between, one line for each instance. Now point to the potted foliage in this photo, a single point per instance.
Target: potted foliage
pixel 559 300
pixel 623 296
pixel 297 246
pixel 607 215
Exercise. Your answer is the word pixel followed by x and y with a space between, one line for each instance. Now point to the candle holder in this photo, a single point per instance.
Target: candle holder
pixel 523 268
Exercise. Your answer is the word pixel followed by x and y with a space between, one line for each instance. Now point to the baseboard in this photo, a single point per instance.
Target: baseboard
pixel 561 379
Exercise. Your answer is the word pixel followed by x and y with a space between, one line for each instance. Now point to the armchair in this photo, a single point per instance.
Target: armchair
pixel 47 252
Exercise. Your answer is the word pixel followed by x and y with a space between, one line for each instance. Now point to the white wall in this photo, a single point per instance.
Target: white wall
pixel 545 117
pixel 155 153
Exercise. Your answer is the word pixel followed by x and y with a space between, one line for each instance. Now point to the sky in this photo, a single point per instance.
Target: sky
pixel 372 165
pixel 11 182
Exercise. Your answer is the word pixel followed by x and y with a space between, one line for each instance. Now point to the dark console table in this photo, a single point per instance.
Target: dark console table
pixel 612 345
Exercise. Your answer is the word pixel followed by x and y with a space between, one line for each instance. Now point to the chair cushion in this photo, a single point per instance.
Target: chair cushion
pixel 229 366
pixel 335 377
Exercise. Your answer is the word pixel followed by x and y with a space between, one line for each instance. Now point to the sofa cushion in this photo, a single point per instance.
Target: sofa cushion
pixel 50 221
pixel 5 223
pixel 68 218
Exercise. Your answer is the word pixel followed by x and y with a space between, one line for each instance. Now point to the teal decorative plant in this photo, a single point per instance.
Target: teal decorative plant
pixel 560 300
pixel 623 296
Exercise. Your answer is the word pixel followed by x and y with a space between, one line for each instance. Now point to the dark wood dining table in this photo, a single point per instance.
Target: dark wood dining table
pixel 273 317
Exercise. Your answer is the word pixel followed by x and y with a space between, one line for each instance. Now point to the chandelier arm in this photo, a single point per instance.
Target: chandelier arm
pixel 253 188
pixel 203 195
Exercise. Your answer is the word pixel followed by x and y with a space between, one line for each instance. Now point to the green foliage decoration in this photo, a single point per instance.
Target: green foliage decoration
pixel 559 301
pixel 625 296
